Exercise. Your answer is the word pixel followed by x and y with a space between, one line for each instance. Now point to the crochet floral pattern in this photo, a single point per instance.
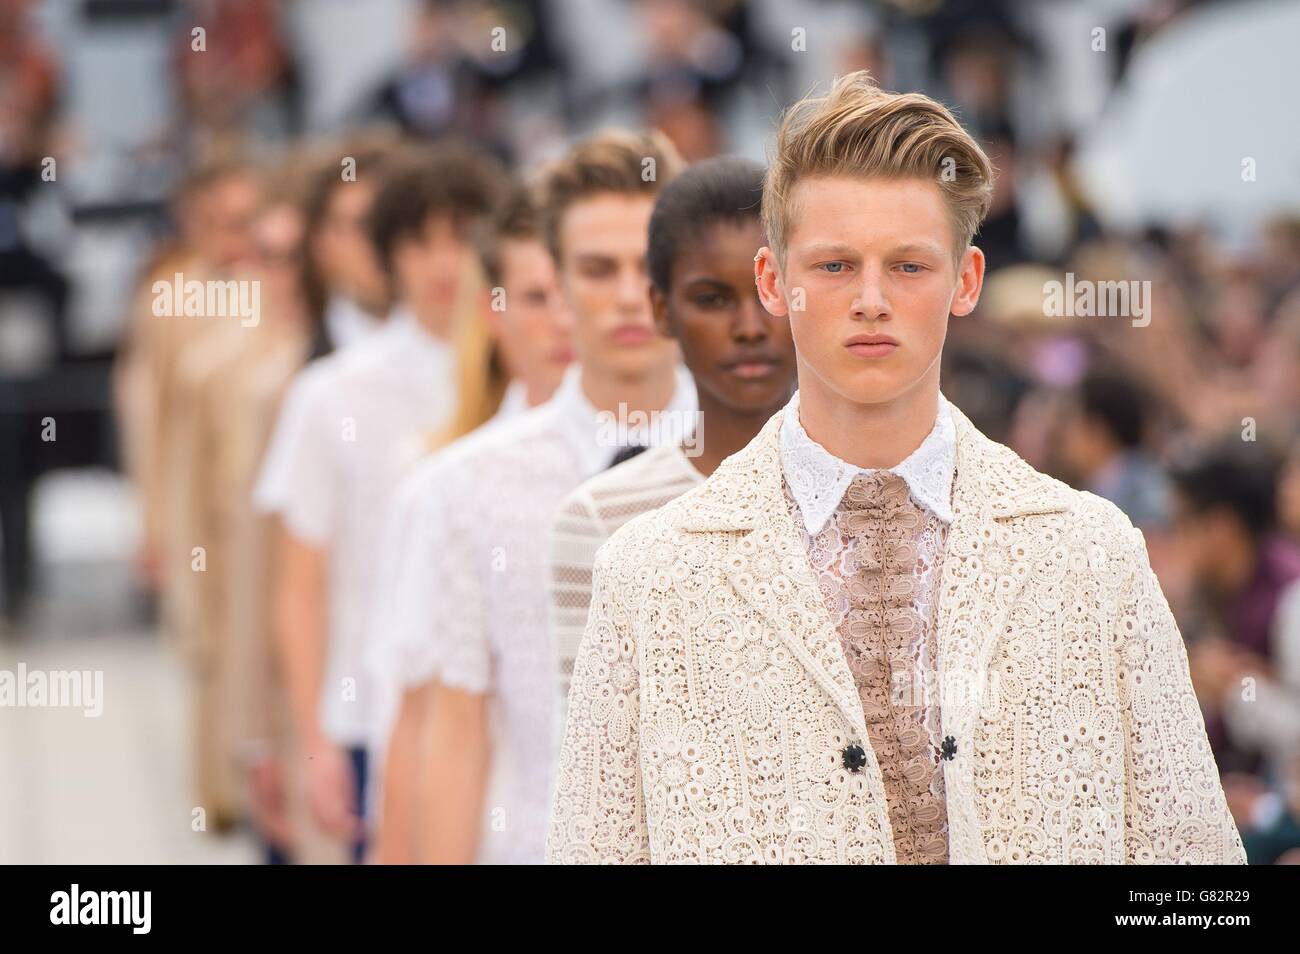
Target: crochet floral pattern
pixel 712 698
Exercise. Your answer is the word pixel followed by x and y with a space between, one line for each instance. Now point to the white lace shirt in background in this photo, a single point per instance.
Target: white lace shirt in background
pixel 402 596
pixel 479 539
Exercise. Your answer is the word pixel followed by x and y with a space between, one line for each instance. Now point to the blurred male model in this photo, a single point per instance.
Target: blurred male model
pixel 703 235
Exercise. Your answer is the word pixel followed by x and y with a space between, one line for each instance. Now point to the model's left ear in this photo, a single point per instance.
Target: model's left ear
pixel 767 280
pixel 970 280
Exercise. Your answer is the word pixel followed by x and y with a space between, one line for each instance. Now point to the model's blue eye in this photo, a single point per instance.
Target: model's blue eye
pixel 912 265
pixel 834 267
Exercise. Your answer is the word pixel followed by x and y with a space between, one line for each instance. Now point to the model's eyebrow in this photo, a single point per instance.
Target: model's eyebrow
pixel 912 248
pixel 840 250
pixel 831 249
pixel 706 280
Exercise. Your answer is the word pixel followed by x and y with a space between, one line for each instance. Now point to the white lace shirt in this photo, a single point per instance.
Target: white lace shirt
pixel 876 539
pixel 818 479
pixel 480 535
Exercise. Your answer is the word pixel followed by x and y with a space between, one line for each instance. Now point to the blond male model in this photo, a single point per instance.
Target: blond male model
pixel 874 635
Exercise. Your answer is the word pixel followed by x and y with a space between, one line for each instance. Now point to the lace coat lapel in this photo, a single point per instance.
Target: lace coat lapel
pixel 986 565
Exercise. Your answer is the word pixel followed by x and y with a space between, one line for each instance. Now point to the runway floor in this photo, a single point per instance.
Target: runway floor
pixel 113 788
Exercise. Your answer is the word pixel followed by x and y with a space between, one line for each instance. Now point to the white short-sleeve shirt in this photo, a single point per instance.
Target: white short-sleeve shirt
pixel 352 424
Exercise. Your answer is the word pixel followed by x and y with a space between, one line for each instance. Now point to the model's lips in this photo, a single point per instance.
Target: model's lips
pixel 562 354
pixel 871 346
pixel 753 368
pixel 631 334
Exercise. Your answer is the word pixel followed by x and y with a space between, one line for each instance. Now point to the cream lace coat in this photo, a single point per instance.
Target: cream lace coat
pixel 711 704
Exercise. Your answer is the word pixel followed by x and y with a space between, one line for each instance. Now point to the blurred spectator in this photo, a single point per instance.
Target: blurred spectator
pixel 464 59
pixel 238 76
pixel 693 60
pixel 1226 529
pixel 1248 678
pixel 1000 237
pixel 975 47
pixel 1102 448
pixel 1288 492
pixel 29 94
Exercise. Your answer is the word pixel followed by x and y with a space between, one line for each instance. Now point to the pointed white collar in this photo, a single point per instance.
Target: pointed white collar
pixel 597 436
pixel 818 479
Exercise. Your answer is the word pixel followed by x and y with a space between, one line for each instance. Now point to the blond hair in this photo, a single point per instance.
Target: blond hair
pixel 859 130
pixel 481 374
pixel 614 161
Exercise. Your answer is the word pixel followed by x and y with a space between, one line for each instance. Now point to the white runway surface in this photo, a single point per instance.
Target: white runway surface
pixel 112 789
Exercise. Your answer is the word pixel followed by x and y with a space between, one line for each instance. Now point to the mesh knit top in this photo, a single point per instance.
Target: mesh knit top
pixel 583 522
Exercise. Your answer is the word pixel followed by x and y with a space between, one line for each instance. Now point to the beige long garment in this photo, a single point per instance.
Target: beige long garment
pixel 151 389
pixel 142 375
pixel 198 491
pixel 254 697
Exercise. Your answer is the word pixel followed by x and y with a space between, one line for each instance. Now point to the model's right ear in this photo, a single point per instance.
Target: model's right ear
pixel 768 280
pixel 659 311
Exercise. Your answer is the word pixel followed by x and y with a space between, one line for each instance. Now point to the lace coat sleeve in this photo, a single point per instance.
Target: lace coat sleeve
pixel 1175 810
pixel 598 815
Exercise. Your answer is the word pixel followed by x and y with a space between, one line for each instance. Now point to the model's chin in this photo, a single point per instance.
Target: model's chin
pixel 748 396
pixel 874 384
pixel 633 360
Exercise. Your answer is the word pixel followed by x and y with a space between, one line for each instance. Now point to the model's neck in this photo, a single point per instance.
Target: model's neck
pixel 867 435
pixel 289 319
pixel 728 430
pixel 437 322
pixel 538 390
pixel 650 391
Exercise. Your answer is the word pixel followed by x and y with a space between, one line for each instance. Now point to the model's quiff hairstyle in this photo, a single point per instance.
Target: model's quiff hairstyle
pixel 860 131
pixel 616 161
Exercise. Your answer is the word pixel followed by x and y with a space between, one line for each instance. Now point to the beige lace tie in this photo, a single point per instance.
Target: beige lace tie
pixel 891 650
